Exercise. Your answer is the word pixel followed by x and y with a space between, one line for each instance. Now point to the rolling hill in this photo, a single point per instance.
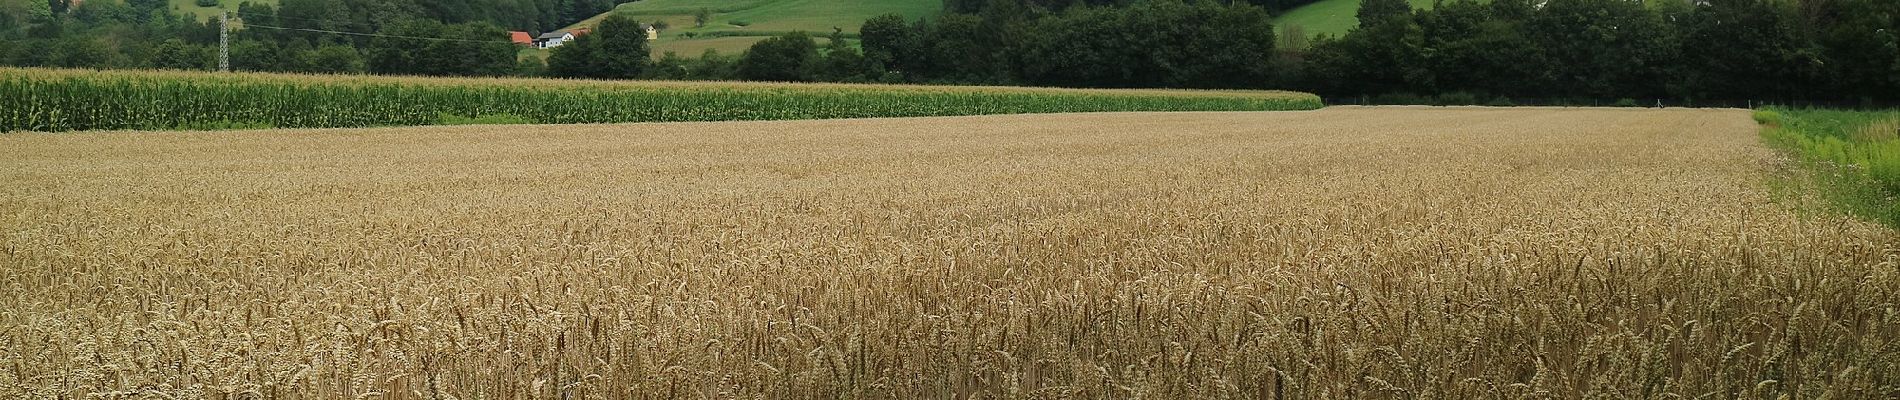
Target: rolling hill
pixel 736 25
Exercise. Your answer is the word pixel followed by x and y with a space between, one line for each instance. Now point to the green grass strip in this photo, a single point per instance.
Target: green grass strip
pixel 1853 156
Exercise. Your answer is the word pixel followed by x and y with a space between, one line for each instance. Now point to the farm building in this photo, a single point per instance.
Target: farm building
pixel 521 38
pixel 553 39
pixel 556 39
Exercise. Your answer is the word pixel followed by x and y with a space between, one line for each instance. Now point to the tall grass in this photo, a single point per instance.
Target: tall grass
pixel 1854 155
pixel 55 100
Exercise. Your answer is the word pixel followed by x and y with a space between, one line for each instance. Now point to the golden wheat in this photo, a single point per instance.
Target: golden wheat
pixel 1340 253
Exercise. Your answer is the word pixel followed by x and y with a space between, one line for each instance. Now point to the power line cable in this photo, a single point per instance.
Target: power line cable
pixel 363 24
pixel 374 34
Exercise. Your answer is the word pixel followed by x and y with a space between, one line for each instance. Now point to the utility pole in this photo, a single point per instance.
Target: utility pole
pixel 224 41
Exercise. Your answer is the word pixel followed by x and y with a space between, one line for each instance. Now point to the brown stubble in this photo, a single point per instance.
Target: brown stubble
pixel 1347 252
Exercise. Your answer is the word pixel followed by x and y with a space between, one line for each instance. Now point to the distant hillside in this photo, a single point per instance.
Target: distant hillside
pixel 1328 16
pixel 737 24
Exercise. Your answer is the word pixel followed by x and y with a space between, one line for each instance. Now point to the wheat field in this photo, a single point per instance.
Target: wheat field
pixel 1341 253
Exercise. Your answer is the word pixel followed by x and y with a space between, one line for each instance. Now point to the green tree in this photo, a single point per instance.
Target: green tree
pixel 889 41
pixel 1475 47
pixel 669 66
pixel 470 49
pixel 1738 49
pixel 701 17
pixel 531 66
pixel 176 54
pixel 1861 47
pixel 965 48
pixel 1203 44
pixel 78 52
pixel 843 63
pixel 334 59
pixel 574 59
pixel 1085 47
pixel 40 11
pixel 1373 59
pixel 1605 48
pixel 787 58
pixel 616 50
pixel 713 66
pixel 1159 43
pixel 1374 12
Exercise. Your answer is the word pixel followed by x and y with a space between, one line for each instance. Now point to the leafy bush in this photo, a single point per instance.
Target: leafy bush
pixel 1768 118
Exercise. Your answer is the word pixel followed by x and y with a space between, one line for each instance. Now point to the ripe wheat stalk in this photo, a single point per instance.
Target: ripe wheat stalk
pixel 1341 253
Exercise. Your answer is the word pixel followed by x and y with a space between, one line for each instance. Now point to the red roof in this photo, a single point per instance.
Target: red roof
pixel 582 31
pixel 520 37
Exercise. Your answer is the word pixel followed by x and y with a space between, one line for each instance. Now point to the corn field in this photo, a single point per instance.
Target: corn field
pixel 1367 253
pixel 68 100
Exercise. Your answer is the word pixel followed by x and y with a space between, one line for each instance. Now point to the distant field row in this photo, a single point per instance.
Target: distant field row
pixel 66 100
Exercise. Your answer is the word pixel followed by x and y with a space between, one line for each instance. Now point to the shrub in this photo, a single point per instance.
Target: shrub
pixel 1769 118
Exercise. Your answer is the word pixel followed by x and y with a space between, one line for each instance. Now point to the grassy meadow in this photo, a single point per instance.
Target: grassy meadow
pixel 1403 252
pixel 65 100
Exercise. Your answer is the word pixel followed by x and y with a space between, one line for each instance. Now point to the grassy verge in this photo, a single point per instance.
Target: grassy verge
pixel 67 100
pixel 1852 156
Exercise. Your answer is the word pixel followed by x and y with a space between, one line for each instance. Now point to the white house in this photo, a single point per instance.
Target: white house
pixel 556 39
pixel 553 39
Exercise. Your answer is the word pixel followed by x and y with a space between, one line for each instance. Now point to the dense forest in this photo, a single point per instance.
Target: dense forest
pixel 1777 50
pixel 1461 51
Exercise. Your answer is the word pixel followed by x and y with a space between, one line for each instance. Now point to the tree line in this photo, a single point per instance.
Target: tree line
pixel 1132 45
pixel 286 37
pixel 1466 51
pixel 1607 49
pixel 1460 51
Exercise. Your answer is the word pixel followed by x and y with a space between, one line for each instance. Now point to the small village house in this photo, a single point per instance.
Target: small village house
pixel 553 39
pixel 556 39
